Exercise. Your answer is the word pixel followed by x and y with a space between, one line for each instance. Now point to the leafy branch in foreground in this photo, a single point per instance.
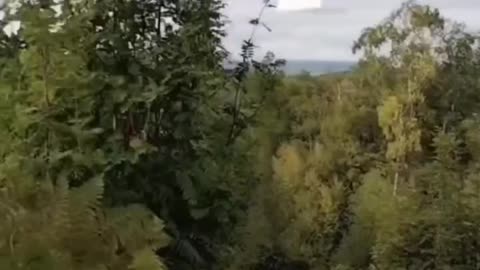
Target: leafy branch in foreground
pixel 269 68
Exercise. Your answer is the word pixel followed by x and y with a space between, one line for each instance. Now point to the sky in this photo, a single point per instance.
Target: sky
pixel 299 4
pixel 327 33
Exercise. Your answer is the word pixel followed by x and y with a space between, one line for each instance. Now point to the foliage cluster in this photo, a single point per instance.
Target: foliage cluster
pixel 132 95
pixel 375 169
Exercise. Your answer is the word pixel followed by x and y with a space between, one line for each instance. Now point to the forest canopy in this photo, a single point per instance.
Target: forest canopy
pixel 124 144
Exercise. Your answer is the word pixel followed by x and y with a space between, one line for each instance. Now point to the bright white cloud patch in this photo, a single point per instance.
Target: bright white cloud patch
pixel 299 4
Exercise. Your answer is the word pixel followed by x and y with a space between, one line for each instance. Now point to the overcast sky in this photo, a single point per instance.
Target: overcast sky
pixel 325 34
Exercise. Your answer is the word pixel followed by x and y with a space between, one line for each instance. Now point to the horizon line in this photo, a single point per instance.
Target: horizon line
pixel 305 60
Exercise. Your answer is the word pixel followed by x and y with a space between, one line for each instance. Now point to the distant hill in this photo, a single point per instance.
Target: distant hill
pixel 314 67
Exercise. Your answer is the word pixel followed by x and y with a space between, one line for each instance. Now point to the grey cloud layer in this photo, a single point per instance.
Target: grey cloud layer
pixel 326 35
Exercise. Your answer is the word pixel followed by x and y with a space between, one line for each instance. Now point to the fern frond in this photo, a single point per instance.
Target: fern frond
pixel 60 217
pixel 146 259
pixel 86 239
pixel 138 227
pixel 89 194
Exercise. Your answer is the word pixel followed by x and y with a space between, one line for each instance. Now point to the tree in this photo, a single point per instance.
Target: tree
pixel 133 93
